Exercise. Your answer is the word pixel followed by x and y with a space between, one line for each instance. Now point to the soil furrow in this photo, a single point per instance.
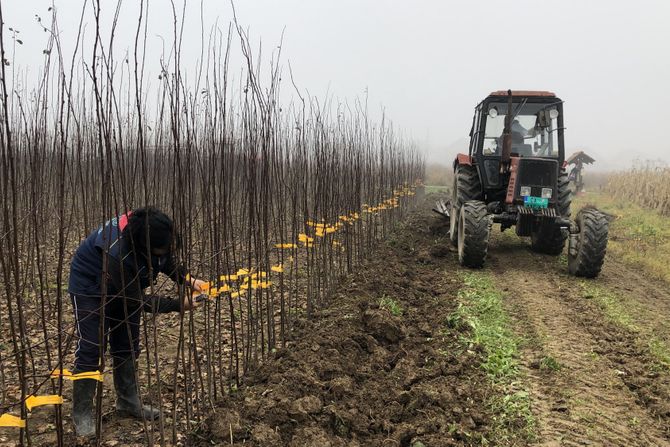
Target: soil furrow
pixel 585 398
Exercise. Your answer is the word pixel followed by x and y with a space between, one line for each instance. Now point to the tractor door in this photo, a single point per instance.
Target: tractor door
pixel 489 147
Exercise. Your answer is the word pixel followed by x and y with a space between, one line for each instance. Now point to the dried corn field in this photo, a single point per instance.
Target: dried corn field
pixel 275 202
pixel 647 186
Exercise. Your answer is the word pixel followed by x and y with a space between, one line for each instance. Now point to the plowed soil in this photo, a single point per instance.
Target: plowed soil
pixel 360 376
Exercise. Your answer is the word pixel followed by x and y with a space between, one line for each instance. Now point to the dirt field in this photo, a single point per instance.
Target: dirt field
pixel 385 365
pixel 362 376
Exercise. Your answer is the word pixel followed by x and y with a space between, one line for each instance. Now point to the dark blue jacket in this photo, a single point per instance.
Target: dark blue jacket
pixel 128 273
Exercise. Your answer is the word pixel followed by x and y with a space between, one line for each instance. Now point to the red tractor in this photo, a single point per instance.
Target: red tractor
pixel 514 175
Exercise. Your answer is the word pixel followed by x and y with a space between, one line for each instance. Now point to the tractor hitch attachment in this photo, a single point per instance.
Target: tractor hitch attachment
pixel 442 208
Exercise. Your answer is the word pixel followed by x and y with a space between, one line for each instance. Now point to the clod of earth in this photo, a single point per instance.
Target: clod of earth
pixel 382 326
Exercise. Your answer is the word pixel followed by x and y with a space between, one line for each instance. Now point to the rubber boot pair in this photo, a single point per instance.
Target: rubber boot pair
pixel 127 399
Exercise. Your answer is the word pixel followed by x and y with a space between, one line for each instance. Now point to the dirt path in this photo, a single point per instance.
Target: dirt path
pixel 591 381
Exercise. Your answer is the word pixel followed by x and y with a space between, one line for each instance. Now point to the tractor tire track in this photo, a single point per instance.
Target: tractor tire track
pixel 593 398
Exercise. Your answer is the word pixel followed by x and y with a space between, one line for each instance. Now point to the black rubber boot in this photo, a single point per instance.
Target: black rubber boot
pixel 83 392
pixel 127 397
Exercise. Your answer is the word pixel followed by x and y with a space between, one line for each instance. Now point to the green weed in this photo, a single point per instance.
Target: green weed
pixel 481 311
pixel 550 363
pixel 391 305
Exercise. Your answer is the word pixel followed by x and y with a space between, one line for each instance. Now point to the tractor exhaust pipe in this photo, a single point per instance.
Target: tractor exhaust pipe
pixel 507 135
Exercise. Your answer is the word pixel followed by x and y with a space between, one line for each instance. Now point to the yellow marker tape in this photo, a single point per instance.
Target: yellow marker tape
pixel 242 272
pixel 228 278
pixel 8 420
pixel 97 375
pixel 302 237
pixel 285 246
pixel 37 401
pixel 277 268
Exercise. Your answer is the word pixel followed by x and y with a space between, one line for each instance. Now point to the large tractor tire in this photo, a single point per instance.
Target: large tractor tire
pixel 466 187
pixel 587 256
pixel 550 240
pixel 474 226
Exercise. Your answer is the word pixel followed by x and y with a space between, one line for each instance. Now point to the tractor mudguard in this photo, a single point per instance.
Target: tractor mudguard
pixel 462 159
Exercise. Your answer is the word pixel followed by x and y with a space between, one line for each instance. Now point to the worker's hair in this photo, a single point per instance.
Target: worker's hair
pixel 159 226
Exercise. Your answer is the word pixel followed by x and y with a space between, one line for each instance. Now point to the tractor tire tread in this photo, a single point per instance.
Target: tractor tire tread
pixel 589 259
pixel 476 228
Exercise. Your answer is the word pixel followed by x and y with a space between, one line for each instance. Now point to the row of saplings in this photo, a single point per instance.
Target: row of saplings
pixel 471 223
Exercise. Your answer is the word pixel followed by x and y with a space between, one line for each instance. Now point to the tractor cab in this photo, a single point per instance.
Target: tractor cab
pixel 535 131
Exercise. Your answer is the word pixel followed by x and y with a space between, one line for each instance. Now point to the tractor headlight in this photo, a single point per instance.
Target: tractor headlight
pixel 525 191
pixel 546 193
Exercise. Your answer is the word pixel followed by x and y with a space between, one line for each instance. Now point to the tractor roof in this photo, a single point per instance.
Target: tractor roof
pixel 524 93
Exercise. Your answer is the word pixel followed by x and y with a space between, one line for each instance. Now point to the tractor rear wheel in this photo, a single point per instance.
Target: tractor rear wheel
pixel 550 240
pixel 474 227
pixel 586 259
pixel 466 187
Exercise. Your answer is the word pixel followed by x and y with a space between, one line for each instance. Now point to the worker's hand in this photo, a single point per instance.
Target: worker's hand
pixel 197 285
pixel 189 302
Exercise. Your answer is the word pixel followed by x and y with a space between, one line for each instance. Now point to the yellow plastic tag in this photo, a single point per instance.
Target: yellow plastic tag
pixel 228 277
pixel 285 246
pixel 8 420
pixel 37 401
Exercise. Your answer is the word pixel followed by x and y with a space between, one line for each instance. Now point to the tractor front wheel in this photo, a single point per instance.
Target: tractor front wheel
pixel 586 253
pixel 474 226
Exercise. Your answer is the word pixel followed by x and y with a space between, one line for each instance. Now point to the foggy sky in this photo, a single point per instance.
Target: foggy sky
pixel 428 63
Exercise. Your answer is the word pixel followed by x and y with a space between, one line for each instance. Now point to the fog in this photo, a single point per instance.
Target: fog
pixel 426 64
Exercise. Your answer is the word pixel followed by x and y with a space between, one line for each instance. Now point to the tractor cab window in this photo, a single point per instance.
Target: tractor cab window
pixel 534 130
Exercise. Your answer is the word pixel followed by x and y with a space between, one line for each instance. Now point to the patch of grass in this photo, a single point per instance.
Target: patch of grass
pixel 481 311
pixel 391 305
pixel 550 363
pixel 611 305
pixel 437 189
pixel 660 350
pixel 639 236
